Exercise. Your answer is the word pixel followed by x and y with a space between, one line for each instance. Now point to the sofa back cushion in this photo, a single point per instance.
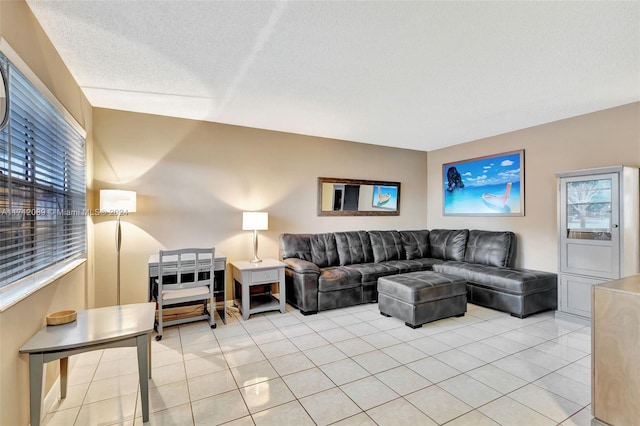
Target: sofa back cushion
pixel 386 245
pixel 316 248
pixel 448 244
pixel 353 247
pixel 416 244
pixel 491 248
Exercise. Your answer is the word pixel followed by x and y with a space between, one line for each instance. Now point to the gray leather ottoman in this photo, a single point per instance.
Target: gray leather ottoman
pixel 421 297
pixel 521 292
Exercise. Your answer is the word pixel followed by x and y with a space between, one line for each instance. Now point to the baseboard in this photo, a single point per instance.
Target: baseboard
pixel 564 316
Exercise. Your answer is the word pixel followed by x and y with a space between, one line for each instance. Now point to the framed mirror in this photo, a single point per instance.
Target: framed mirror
pixel 352 197
pixel 4 99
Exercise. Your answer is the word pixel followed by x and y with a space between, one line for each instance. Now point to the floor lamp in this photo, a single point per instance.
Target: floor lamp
pixel 117 201
pixel 255 221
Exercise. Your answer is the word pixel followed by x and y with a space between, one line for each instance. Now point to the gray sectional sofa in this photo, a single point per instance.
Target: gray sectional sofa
pixel 339 269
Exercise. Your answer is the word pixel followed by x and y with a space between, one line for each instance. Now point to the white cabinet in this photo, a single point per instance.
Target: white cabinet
pixel 598 234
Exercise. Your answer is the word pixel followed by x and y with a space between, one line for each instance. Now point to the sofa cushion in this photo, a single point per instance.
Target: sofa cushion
pixel 416 244
pixel 370 272
pixel 423 264
pixel 491 248
pixel 448 244
pixel 338 278
pixel 324 250
pixel 404 266
pixel 512 281
pixel 316 248
pixel 386 245
pixel 353 247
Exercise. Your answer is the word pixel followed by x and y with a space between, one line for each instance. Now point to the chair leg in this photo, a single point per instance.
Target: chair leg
pixel 211 311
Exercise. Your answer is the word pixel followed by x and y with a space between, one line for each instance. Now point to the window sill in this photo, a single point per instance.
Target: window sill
pixel 22 289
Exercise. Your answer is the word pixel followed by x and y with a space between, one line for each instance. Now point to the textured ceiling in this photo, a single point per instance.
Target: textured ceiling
pixel 419 75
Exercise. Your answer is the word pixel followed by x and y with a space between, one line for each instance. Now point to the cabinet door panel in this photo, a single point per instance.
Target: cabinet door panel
pixel 592 259
pixel 589 225
pixel 575 294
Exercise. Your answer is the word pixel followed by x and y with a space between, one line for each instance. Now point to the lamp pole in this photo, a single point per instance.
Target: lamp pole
pixel 118 245
pixel 118 201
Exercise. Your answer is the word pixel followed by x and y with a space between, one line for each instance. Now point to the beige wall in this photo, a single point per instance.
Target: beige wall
pixel 604 138
pixel 194 179
pixel 17 324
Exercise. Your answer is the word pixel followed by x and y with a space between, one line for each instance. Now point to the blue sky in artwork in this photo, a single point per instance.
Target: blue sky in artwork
pixel 391 197
pixel 488 171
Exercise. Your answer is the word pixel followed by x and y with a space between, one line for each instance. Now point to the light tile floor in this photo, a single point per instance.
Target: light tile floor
pixel 345 367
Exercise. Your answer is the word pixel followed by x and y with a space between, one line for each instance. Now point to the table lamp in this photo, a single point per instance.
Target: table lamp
pixel 117 201
pixel 255 221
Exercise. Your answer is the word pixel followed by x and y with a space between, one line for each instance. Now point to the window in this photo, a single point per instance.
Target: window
pixel 42 182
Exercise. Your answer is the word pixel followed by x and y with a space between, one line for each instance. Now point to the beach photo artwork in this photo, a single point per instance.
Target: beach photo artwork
pixel 385 197
pixel 485 186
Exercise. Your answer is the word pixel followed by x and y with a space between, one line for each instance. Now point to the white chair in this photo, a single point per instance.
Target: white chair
pixel 185 276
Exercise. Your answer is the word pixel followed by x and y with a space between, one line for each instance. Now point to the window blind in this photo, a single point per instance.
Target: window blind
pixel 42 183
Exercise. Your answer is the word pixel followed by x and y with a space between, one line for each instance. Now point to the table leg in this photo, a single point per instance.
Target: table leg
pixel 150 367
pixel 64 367
pixel 36 367
pixel 246 295
pixel 142 342
pixel 282 295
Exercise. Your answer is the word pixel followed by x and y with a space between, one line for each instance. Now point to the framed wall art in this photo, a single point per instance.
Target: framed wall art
pixel 485 186
pixel 385 197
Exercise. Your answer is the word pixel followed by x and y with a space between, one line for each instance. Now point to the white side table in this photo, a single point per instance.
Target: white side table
pixel 247 275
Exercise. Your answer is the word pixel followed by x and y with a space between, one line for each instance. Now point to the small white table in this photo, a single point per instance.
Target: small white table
pixel 248 274
pixel 101 328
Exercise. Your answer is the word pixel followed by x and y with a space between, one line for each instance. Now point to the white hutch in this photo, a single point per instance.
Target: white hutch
pixel 598 234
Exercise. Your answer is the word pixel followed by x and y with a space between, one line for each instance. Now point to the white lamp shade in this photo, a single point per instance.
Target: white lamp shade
pixel 255 221
pixel 117 200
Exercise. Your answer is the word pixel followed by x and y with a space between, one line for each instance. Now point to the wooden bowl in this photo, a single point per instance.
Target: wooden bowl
pixel 61 317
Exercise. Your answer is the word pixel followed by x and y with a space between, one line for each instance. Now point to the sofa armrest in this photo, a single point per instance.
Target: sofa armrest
pixel 300 266
pixel 301 278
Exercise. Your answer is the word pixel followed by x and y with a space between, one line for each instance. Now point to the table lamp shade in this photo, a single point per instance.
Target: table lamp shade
pixel 255 221
pixel 117 200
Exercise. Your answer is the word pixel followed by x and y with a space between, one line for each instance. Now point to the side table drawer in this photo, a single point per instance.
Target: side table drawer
pixel 268 275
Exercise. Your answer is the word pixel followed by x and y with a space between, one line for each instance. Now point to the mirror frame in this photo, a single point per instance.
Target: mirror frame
pixel 323 180
pixel 4 83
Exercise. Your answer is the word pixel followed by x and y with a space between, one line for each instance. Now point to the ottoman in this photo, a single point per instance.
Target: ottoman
pixel 521 292
pixel 421 297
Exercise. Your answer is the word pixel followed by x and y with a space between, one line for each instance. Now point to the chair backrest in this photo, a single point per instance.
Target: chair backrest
pixel 184 268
